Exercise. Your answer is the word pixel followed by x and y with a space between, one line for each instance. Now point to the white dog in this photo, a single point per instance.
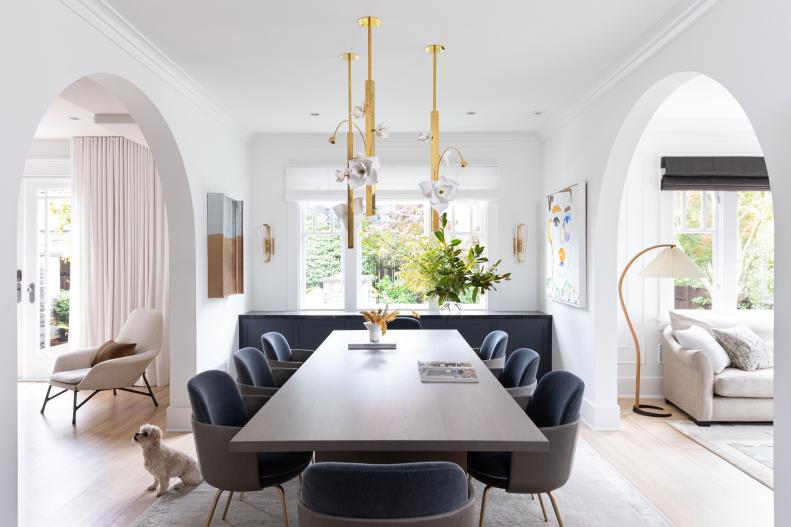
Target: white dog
pixel 164 462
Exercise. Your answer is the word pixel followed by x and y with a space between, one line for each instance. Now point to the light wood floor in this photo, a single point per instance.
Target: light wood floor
pixel 92 475
pixel 689 484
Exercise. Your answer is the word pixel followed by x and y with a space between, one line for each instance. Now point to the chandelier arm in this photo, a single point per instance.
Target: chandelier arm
pixel 462 162
pixel 362 135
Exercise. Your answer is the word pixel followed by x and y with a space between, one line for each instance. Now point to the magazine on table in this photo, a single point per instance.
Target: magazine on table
pixel 446 371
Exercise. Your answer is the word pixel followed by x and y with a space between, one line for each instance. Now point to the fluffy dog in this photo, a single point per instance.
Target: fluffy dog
pixel 164 462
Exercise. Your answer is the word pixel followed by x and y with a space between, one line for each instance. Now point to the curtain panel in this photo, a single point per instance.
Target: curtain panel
pixel 120 242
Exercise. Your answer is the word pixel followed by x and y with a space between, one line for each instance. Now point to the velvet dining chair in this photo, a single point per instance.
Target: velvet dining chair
pixel 254 374
pixel 518 376
pixel 492 350
pixel 280 354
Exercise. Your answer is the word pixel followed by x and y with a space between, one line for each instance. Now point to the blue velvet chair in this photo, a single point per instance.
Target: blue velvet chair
pixel 554 408
pixel 519 374
pixel 254 374
pixel 404 323
pixel 218 413
pixel 404 494
pixel 280 354
pixel 492 350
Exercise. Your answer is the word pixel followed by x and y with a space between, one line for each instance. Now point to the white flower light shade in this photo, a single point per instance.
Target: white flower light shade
pixel 440 193
pixel 357 172
pixel 672 263
pixel 340 209
pixel 424 136
pixel 382 131
pixel 372 167
pixel 340 176
pixel 358 111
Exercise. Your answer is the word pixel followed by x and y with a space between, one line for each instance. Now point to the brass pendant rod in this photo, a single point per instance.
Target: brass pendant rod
pixel 369 22
pixel 349 154
pixel 434 133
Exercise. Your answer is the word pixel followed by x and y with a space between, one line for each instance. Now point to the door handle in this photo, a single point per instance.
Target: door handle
pixel 31 292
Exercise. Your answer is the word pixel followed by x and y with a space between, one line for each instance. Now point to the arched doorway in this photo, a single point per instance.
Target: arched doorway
pixel 23 120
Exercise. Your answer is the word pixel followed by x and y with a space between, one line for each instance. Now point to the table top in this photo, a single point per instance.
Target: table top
pixel 373 400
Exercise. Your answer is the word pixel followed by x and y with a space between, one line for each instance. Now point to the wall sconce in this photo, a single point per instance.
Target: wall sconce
pixel 519 242
pixel 269 243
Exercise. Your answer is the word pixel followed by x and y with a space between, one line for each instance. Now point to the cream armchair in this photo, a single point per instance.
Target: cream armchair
pixel 73 371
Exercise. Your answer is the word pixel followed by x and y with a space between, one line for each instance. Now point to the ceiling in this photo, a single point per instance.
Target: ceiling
pixel 71 114
pixel 271 64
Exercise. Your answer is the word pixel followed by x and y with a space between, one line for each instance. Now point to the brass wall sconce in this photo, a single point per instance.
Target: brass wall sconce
pixel 519 242
pixel 269 243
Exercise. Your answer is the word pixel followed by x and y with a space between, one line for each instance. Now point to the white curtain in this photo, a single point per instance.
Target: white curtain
pixel 120 257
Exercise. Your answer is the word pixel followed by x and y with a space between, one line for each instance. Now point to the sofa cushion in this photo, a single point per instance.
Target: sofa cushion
pixel 70 377
pixel 761 322
pixel 746 349
pixel 697 338
pixel 733 382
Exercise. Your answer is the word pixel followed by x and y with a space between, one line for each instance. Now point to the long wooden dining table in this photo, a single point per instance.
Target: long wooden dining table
pixel 371 406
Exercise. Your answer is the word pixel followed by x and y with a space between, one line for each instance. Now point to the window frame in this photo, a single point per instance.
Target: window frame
pixel 303 234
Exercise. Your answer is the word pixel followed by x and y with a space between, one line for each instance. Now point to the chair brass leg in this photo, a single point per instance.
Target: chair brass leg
pixel 213 507
pixel 542 507
pixel 227 504
pixel 283 504
pixel 555 506
pixel 483 504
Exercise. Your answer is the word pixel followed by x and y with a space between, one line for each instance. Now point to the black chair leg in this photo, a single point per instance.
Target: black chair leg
pixel 150 391
pixel 114 392
pixel 46 398
pixel 74 411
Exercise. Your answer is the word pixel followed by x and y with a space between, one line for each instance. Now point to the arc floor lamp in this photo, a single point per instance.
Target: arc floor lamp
pixel 670 263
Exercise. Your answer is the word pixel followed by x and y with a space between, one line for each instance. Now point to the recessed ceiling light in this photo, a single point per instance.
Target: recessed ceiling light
pixel 471 113
pixel 538 112
pixel 73 118
pixel 314 114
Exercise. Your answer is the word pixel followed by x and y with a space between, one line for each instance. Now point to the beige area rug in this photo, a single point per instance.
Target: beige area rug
pixel 748 447
pixel 596 496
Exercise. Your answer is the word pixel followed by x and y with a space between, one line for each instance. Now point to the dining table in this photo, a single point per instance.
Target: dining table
pixel 370 405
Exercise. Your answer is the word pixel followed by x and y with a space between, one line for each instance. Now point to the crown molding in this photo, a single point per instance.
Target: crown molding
pixel 402 139
pixel 673 24
pixel 109 22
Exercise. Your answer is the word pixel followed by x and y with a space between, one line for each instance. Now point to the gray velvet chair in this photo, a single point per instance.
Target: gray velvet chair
pixel 492 350
pixel 255 376
pixel 518 376
pixel 404 323
pixel 280 354
pixel 218 413
pixel 435 494
pixel 554 408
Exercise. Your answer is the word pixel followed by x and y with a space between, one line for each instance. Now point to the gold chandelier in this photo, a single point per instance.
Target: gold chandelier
pixel 362 169
pixel 440 190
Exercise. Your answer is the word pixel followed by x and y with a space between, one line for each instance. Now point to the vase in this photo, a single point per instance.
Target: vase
pixel 374 331
pixel 433 305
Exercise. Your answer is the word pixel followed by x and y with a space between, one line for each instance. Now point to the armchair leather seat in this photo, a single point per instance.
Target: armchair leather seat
pixel 71 376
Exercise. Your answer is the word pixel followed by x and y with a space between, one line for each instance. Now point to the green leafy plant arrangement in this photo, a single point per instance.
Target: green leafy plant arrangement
pixel 442 270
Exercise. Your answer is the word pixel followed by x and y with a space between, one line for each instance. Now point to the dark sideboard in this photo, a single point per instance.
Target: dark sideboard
pixel 308 329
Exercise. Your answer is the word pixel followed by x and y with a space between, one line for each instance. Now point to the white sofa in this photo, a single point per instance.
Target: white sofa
pixel 731 395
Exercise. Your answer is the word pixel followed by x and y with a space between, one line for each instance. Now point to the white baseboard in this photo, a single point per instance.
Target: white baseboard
pixel 179 419
pixel 601 417
pixel 650 387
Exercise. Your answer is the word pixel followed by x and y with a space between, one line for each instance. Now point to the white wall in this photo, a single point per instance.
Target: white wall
pixel 47 46
pixel 742 46
pixel 646 218
pixel 516 156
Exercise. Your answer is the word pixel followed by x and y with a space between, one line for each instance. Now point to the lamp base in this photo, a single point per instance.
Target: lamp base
pixel 638 409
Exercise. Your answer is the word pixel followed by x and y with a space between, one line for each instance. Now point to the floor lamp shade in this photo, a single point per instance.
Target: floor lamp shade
pixel 671 262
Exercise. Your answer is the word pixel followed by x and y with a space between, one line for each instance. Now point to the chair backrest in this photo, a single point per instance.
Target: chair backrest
pixel 494 345
pixel 252 368
pixel 557 399
pixel 382 492
pixel 404 323
pixel 520 368
pixel 275 346
pixel 144 327
pixel 215 399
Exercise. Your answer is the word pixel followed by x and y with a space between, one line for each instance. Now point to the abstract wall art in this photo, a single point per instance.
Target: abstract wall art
pixel 566 245
pixel 225 246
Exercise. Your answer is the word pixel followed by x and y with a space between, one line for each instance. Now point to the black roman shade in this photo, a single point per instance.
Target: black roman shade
pixel 714 173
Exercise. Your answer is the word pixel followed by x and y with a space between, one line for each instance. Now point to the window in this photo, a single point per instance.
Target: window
pixel 730 236
pixel 388 240
pixel 322 261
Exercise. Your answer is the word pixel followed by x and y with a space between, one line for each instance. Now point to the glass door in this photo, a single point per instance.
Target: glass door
pixel 44 275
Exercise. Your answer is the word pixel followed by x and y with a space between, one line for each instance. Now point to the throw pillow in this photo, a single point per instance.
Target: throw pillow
pixel 746 350
pixel 697 338
pixel 113 350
